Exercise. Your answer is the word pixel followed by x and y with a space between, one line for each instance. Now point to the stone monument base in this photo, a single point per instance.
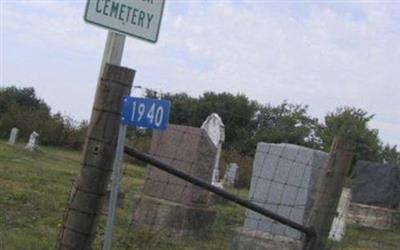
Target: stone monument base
pixel 174 219
pixel 245 239
pixel 375 217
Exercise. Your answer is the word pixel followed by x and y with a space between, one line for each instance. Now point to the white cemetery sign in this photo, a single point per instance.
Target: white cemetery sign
pixel 215 129
pixel 141 19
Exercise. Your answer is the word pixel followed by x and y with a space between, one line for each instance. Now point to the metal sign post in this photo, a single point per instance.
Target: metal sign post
pixel 115 181
pixel 143 112
pixel 140 19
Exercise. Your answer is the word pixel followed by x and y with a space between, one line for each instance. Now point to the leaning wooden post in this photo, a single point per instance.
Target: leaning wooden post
pixel 329 189
pixel 98 154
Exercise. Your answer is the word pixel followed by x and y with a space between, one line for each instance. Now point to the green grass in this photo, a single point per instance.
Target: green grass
pixel 34 188
pixel 360 238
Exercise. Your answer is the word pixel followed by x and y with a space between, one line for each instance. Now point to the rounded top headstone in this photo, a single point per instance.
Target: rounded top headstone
pixel 215 128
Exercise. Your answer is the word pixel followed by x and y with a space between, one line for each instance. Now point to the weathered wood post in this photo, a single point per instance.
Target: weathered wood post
pixel 98 154
pixel 329 189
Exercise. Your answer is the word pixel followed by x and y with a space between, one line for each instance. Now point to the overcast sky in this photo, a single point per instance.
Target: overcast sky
pixel 325 54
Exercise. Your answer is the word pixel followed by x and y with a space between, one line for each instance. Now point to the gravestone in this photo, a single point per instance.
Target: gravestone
pixel 215 129
pixel 376 184
pixel 231 173
pixel 171 204
pixel 13 136
pixel 338 228
pixel 284 181
pixel 33 143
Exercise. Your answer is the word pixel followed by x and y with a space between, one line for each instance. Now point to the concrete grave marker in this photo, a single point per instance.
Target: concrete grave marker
pixel 284 181
pixel 13 136
pixel 231 173
pixel 33 142
pixel 338 228
pixel 215 129
pixel 170 203
pixel 376 184
pixel 375 200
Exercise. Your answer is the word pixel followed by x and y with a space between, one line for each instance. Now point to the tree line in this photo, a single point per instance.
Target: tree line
pixel 21 108
pixel 247 122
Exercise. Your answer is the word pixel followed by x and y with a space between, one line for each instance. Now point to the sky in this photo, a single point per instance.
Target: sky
pixel 325 54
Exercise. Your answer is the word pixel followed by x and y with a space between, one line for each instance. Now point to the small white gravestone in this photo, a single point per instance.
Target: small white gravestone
pixel 13 136
pixel 231 173
pixel 215 129
pixel 32 144
pixel 338 228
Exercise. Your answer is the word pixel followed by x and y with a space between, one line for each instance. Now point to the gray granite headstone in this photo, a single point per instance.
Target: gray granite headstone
pixel 376 184
pixel 231 173
pixel 188 149
pixel 284 180
pixel 171 204
pixel 13 136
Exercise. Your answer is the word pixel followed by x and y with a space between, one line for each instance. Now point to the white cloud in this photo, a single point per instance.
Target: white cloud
pixel 328 55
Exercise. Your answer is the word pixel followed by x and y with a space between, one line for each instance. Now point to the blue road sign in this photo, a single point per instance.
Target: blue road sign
pixel 145 112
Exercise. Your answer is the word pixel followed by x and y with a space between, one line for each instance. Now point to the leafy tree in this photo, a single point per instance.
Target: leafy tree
pixel 352 123
pixel 236 111
pixel 184 109
pixel 390 154
pixel 24 97
pixel 21 108
pixel 286 123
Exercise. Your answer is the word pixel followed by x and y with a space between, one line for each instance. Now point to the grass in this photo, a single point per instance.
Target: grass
pixel 34 188
pixel 360 238
pixel 33 192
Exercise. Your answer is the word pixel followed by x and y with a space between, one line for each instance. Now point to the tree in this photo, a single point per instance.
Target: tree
pixel 24 97
pixel 21 108
pixel 390 154
pixel 286 123
pixel 184 109
pixel 236 111
pixel 352 123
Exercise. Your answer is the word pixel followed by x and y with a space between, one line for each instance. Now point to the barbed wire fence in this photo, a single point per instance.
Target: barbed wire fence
pixel 284 182
pixel 162 211
pixel 169 196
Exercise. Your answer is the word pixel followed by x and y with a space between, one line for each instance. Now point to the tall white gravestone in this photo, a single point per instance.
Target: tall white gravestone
pixel 338 228
pixel 231 174
pixel 32 144
pixel 13 136
pixel 215 129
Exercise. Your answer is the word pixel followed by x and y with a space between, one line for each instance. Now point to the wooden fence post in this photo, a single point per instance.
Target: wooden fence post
pixel 329 189
pixel 86 200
